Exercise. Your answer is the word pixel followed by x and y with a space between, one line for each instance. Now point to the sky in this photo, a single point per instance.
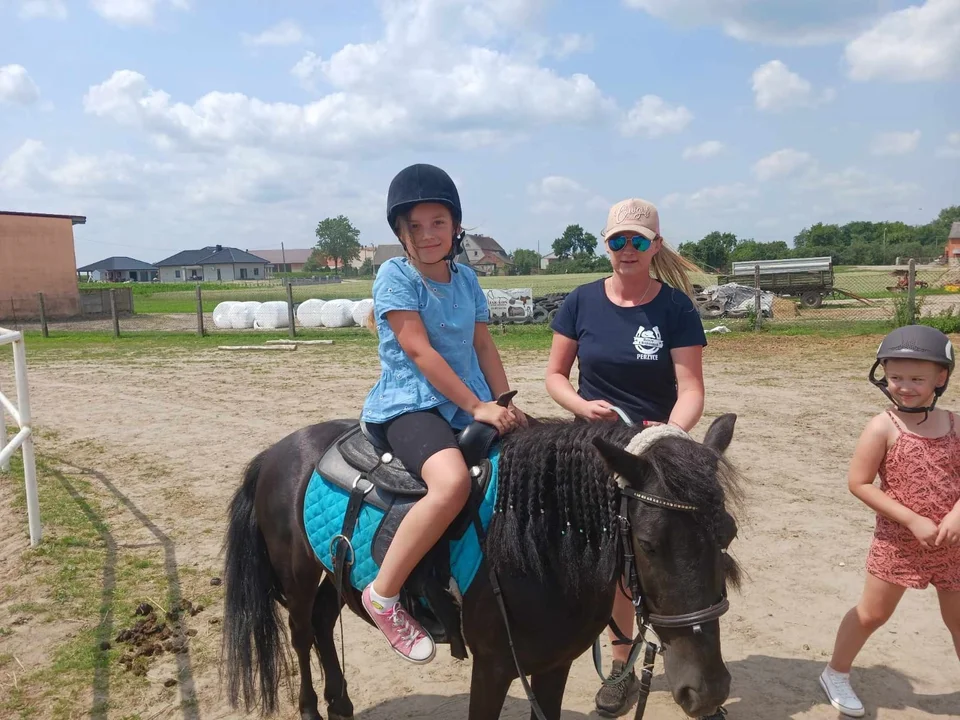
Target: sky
pixel 177 124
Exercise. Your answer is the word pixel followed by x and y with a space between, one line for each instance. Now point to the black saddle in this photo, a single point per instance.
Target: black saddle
pixel 361 463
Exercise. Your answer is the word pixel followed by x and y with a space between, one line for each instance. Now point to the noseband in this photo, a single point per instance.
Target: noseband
pixel 646 620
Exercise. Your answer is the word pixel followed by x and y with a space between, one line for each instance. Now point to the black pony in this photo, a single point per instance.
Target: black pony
pixel 566 491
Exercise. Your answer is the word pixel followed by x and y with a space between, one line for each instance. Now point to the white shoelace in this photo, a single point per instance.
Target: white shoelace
pixel 408 633
pixel 842 689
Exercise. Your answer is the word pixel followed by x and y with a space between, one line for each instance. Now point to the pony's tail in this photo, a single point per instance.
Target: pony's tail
pixel 251 617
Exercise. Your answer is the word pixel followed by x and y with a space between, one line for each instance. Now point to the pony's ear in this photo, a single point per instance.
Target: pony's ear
pixel 720 433
pixel 627 467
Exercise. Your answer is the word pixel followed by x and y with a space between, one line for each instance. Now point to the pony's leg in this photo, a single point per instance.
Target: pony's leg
pixel 300 611
pixel 548 689
pixel 326 610
pixel 489 684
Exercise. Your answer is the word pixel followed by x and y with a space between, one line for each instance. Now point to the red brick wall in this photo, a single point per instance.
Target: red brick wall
pixel 37 255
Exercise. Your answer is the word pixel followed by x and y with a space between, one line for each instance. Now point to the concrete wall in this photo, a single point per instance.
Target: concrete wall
pixel 37 255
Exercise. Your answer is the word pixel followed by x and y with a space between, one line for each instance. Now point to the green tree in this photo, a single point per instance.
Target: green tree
pixel 338 239
pixel 525 262
pixel 712 250
pixel 317 262
pixel 574 241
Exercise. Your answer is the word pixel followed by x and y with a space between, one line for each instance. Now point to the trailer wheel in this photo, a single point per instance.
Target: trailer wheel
pixel 811 299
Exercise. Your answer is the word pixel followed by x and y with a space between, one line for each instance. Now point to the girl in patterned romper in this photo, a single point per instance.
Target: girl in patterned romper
pixel 915 449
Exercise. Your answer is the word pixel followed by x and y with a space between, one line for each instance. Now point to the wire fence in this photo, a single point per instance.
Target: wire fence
pixel 878 295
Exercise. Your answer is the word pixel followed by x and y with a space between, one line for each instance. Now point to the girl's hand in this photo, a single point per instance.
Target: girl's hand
pixel 502 418
pixel 924 530
pixel 518 415
pixel 949 531
pixel 597 410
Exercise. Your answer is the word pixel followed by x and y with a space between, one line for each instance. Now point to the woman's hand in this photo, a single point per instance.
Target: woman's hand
pixel 502 418
pixel 948 534
pixel 597 410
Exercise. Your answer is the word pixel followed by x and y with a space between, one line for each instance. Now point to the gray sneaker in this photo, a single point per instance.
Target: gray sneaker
pixel 616 700
pixel 839 692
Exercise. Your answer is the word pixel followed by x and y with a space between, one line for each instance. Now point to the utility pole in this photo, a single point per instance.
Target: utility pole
pixel 283 257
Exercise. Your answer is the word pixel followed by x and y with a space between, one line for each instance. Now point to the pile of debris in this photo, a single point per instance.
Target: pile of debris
pixel 732 300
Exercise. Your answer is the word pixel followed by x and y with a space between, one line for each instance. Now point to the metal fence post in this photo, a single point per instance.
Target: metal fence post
pixel 199 311
pixel 43 316
pixel 5 465
pixel 756 298
pixel 290 318
pixel 912 292
pixel 113 313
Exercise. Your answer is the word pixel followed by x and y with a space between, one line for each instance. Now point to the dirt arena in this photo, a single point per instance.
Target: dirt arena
pixel 160 441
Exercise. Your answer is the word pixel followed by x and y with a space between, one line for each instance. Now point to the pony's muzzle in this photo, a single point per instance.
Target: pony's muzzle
pixel 705 695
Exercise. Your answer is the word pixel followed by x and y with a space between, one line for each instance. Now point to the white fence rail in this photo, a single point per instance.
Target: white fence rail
pixel 23 440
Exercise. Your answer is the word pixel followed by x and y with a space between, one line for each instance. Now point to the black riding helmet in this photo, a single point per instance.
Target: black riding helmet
pixel 425 183
pixel 915 342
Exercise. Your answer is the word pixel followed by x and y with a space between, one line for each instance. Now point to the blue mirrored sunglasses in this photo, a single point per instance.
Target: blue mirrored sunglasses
pixel 639 242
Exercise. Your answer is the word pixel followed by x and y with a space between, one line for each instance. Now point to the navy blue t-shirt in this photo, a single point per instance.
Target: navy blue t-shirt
pixel 624 352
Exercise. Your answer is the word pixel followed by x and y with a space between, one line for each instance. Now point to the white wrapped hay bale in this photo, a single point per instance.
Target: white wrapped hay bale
pixel 361 309
pixel 243 315
pixel 308 313
pixel 221 314
pixel 272 315
pixel 337 314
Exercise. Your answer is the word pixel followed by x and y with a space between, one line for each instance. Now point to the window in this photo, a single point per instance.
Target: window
pixel 243 273
pixel 176 274
pixel 256 271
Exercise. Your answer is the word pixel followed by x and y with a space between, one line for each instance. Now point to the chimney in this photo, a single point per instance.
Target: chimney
pixel 219 248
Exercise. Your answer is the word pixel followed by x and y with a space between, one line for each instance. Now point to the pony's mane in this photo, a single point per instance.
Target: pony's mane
pixel 557 505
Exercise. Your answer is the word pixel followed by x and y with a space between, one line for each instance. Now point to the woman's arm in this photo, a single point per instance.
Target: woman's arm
pixel 688 366
pixel 489 358
pixel 563 352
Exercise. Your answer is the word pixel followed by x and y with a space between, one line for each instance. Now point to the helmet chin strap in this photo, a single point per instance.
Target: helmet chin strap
pixel 882 384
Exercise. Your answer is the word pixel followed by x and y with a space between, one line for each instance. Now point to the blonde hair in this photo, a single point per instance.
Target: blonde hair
pixel 672 268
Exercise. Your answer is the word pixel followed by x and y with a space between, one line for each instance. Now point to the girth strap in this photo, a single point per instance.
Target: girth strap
pixel 341 549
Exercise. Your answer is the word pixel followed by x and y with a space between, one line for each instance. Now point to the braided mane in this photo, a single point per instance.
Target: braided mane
pixel 557 505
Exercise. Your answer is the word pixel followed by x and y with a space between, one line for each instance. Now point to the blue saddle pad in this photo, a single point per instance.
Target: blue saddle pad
pixel 325 505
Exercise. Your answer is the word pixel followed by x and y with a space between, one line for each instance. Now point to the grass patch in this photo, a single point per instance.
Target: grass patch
pixel 79 578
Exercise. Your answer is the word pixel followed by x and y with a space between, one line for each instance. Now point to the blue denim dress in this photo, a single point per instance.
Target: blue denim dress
pixel 449 312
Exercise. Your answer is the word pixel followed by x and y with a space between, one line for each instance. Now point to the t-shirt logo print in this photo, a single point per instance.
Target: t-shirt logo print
pixel 648 342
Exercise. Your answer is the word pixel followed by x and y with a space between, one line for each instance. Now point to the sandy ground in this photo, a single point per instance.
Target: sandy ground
pixel 163 440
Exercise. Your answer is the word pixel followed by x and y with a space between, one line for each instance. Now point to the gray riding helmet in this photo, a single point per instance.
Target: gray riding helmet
pixel 915 342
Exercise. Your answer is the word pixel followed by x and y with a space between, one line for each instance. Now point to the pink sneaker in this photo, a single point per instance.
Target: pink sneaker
pixel 405 635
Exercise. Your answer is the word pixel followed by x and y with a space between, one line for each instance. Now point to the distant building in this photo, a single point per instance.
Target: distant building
pixel 384 253
pixel 284 261
pixel 212 264
pixel 953 244
pixel 37 256
pixel 484 254
pixel 121 269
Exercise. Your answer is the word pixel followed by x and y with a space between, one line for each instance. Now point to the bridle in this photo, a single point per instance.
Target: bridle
pixel 646 620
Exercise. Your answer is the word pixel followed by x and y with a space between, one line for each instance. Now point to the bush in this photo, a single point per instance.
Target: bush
pixel 945 321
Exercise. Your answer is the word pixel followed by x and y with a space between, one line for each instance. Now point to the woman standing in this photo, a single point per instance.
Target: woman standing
pixel 638 341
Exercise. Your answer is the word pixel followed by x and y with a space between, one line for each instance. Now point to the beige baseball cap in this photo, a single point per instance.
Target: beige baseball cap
pixel 633 215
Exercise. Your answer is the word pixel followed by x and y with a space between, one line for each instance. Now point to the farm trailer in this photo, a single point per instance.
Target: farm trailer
pixel 810 279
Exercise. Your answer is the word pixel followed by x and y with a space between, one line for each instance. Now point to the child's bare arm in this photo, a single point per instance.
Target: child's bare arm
pixel 869 453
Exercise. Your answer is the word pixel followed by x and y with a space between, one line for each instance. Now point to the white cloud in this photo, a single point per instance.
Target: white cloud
pixel 446 93
pixel 50 9
pixel 559 195
pixel 776 88
pixel 16 86
pixel 914 44
pixel 653 116
pixel 782 163
pixel 783 22
pixel 571 43
pixel 132 12
pixel 285 32
pixel 950 149
pixel 716 198
pixel 895 143
pixel 853 189
pixel 703 151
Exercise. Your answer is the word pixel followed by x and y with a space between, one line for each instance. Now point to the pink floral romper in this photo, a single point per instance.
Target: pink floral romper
pixel 922 474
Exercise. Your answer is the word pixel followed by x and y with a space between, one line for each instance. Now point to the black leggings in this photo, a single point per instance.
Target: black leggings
pixel 417 436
